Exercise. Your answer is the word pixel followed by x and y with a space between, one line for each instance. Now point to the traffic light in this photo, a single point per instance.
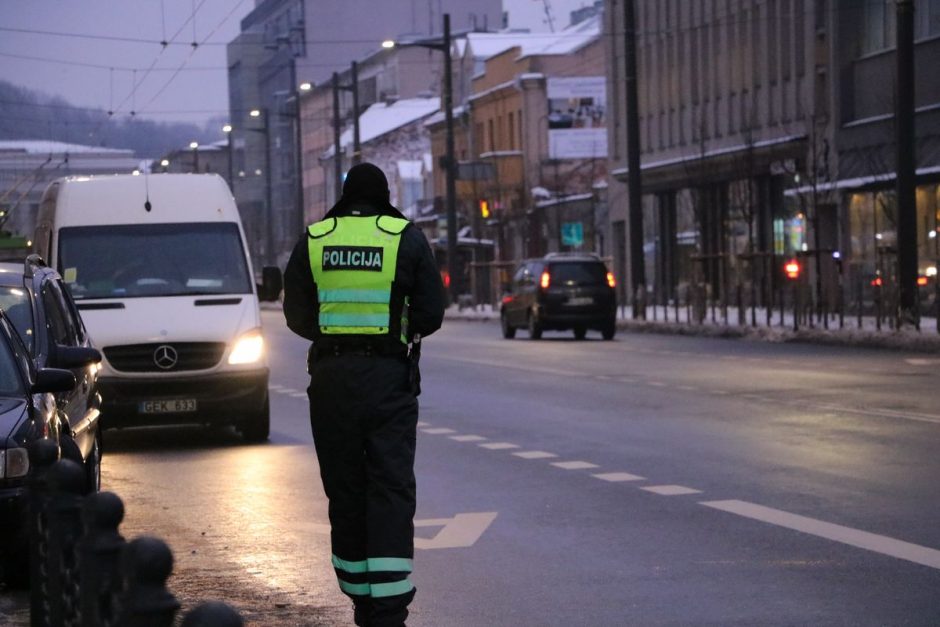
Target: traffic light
pixel 792 269
pixel 485 208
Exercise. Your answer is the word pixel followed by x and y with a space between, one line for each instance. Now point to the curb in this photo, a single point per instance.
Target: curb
pixel 923 342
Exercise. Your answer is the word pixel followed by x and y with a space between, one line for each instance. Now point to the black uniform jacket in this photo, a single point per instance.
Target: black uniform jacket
pixel 416 275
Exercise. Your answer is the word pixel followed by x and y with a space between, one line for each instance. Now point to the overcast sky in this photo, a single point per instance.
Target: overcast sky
pixel 197 92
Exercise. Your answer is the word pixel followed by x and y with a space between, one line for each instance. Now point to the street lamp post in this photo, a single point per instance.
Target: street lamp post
pixel 194 146
pixel 450 161
pixel 268 231
pixel 227 129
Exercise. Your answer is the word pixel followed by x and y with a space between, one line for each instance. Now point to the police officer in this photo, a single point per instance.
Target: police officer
pixel 363 285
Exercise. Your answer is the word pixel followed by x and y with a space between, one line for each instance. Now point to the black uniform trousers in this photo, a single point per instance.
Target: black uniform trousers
pixel 364 416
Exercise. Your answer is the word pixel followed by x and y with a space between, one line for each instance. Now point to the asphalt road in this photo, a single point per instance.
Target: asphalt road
pixel 652 480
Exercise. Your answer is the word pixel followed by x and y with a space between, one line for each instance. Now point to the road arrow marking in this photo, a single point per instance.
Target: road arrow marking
pixel 461 531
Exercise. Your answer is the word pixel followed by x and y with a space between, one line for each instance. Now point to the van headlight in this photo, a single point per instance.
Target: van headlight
pixel 14 462
pixel 248 348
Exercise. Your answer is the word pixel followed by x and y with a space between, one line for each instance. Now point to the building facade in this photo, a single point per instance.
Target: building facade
pixel 530 144
pixel 28 166
pixel 757 120
pixel 283 44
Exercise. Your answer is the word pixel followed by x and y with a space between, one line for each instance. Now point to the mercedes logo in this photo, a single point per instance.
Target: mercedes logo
pixel 165 357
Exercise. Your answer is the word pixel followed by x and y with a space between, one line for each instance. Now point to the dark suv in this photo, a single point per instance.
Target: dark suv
pixel 561 291
pixel 40 306
pixel 28 413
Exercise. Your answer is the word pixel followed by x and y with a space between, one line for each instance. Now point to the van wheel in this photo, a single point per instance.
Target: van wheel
pixel 535 329
pixel 580 333
pixel 509 332
pixel 258 427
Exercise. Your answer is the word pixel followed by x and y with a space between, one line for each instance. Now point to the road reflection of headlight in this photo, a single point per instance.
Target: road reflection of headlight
pixel 248 348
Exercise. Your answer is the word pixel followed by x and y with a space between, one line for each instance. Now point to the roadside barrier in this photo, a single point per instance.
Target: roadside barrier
pixel 83 573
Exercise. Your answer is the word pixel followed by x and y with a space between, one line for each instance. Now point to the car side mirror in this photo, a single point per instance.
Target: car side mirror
pixel 53 380
pixel 76 356
pixel 271 283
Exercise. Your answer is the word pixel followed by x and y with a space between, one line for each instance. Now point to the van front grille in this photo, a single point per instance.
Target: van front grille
pixel 165 357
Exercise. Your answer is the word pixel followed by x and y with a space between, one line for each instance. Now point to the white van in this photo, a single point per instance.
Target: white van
pixel 159 268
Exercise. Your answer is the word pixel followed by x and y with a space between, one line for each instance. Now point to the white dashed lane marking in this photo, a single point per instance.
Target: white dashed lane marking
pixel 499 446
pixel 534 455
pixel 574 465
pixel 438 431
pixel 846 535
pixel 299 395
pixel 617 476
pixel 422 423
pixel 671 490
pixel 467 438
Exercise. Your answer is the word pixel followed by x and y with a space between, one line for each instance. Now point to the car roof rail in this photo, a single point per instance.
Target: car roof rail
pixel 32 262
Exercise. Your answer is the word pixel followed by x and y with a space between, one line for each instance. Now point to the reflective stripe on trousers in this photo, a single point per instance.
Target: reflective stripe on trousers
pixel 391 565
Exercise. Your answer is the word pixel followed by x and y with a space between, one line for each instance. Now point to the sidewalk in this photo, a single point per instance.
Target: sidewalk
pixel 925 341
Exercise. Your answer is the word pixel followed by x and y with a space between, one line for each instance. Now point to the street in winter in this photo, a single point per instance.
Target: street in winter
pixel 469 313
pixel 652 480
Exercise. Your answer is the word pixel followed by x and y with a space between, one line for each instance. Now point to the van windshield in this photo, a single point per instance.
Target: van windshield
pixel 146 260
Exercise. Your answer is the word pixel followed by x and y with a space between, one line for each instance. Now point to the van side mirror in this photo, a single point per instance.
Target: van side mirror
pixel 75 356
pixel 271 283
pixel 53 380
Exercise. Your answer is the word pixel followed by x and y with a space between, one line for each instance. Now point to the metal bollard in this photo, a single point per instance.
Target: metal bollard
pixel 147 563
pixel 42 455
pixel 100 559
pixel 67 484
pixel 213 614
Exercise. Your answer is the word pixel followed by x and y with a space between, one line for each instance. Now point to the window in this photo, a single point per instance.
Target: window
pixel 879 26
pixel 153 260
pixel 926 18
pixel 57 323
pixel 512 131
pixel 11 382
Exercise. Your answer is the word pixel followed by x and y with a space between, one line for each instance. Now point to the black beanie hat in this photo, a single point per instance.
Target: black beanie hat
pixel 366 182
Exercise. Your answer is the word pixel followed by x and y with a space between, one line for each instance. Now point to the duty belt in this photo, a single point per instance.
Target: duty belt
pixel 332 348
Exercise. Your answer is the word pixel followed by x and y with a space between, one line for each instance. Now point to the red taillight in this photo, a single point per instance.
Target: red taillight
pixel 546 280
pixel 877 282
pixel 922 281
pixel 445 277
pixel 792 269
pixel 611 281
pixel 507 300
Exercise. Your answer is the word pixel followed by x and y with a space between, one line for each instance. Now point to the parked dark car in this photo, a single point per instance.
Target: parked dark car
pixel 28 413
pixel 561 292
pixel 40 307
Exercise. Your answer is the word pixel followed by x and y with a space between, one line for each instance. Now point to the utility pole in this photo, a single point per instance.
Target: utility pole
pixel 906 167
pixel 354 88
pixel 453 263
pixel 337 155
pixel 298 148
pixel 634 181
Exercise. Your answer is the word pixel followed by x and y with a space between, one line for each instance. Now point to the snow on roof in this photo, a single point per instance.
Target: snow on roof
pixel 409 169
pixel 439 116
pixel 382 118
pixel 486 45
pixel 44 147
pixel 428 160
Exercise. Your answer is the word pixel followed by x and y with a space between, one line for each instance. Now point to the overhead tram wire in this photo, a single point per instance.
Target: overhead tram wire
pixel 728 19
pixel 195 46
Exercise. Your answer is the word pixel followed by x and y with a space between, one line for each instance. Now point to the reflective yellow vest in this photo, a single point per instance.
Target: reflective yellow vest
pixel 353 260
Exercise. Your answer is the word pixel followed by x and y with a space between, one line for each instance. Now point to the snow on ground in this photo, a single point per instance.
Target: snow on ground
pixel 668 320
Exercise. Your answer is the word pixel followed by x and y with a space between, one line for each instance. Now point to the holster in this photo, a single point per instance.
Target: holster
pixel 414 371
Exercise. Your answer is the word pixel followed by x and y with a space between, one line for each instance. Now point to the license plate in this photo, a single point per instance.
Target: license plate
pixel 581 300
pixel 172 406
